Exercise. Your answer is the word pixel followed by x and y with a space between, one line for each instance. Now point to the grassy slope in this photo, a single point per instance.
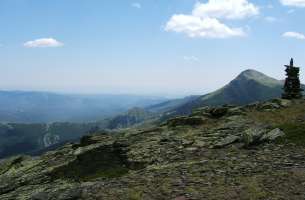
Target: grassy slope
pixel 250 86
pixel 291 120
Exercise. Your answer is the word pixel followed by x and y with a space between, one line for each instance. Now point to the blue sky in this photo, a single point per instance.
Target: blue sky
pixel 156 47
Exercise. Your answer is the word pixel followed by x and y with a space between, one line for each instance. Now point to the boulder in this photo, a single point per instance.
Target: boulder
pixel 273 135
pixel 257 135
pixel 282 102
pixel 269 106
pixel 227 141
pixel 253 135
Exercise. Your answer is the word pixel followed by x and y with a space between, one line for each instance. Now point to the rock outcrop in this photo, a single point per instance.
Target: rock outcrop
pixel 216 153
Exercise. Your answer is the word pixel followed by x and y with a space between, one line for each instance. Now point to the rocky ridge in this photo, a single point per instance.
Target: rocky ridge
pixel 227 152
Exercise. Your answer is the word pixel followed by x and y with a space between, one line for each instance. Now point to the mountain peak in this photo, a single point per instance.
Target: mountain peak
pixel 251 74
pixel 248 87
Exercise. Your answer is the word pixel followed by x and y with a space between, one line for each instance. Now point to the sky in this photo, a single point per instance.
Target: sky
pixel 151 47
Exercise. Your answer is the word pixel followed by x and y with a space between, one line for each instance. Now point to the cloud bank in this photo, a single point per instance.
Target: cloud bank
pixel 204 21
pixel 201 27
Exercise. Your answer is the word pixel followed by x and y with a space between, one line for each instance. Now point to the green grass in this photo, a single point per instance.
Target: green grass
pixel 290 120
pixel 278 117
pixel 252 188
pixel 135 194
pixel 295 133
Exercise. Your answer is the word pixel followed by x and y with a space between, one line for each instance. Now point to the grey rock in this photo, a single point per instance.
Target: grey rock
pixel 273 135
pixel 253 135
pixel 269 106
pixel 282 102
pixel 226 141
pixel 236 111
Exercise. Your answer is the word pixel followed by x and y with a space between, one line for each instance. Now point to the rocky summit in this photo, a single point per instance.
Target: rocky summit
pixel 254 151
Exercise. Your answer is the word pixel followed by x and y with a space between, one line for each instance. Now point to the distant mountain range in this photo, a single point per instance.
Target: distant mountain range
pixel 249 86
pixel 44 107
pixel 15 138
pixel 170 104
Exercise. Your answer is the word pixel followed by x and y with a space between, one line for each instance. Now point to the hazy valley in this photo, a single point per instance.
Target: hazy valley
pixel 126 112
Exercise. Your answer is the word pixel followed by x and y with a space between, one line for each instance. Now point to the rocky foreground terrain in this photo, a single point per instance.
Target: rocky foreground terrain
pixel 250 152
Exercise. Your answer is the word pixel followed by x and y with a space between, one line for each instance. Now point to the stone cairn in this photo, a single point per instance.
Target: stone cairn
pixel 292 87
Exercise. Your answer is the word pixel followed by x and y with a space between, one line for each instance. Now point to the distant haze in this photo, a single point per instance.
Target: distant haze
pixel 42 107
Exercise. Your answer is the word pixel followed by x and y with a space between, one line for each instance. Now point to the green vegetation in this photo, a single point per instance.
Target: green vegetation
pixel 253 189
pixel 290 119
pixel 288 114
pixel 295 133
pixel 134 194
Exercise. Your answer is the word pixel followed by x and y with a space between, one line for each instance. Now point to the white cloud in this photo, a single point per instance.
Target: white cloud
pixel 43 42
pixel 201 27
pixel 191 58
pixel 227 9
pixel 295 35
pixel 296 3
pixel 136 5
pixel 205 19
